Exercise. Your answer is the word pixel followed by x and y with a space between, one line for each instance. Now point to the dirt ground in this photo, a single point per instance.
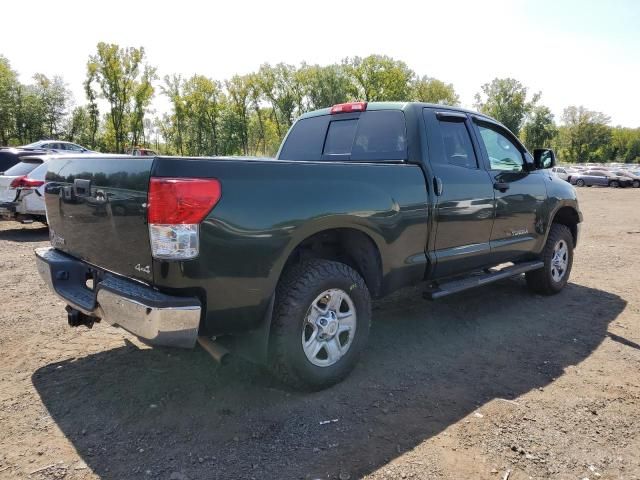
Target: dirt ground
pixel 489 384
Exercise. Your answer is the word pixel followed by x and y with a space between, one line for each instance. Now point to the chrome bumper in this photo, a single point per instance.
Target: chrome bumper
pixel 154 317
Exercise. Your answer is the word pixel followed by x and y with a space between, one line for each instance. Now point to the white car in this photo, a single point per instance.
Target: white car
pixel 561 172
pixel 22 190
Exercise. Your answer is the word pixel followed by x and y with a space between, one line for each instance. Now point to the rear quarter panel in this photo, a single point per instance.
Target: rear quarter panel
pixel 269 207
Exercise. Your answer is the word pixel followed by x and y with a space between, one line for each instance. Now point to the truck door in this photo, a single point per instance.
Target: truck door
pixel 464 194
pixel 518 228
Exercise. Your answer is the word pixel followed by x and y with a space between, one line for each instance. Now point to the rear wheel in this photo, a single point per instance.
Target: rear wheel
pixel 320 324
pixel 636 184
pixel 614 184
pixel 558 260
pixel 580 182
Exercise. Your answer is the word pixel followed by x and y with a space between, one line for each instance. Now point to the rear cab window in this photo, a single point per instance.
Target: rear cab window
pixel 374 135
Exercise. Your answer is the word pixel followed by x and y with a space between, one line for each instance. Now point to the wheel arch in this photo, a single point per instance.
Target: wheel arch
pixel 568 216
pixel 348 245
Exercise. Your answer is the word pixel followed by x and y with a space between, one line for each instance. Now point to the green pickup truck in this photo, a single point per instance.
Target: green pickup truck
pixel 278 259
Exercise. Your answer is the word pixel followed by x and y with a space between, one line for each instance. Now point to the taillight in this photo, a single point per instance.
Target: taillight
pixel 25 182
pixel 349 107
pixel 176 207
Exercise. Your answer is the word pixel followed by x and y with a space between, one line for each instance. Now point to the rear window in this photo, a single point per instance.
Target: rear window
pixel 21 168
pixel 369 136
pixel 340 137
pixel 39 173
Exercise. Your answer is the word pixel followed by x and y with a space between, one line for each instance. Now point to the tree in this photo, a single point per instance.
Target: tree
pixel 202 100
pixel 172 88
pixel 379 78
pixel 239 98
pixel 432 90
pixel 584 136
pixel 78 128
pixel 8 90
pixel 55 98
pixel 116 70
pixel 625 145
pixel 324 86
pixel 505 99
pixel 282 89
pixel 93 113
pixel 29 114
pixel 142 94
pixel 539 128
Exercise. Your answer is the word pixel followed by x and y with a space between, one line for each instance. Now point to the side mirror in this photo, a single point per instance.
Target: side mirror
pixel 544 158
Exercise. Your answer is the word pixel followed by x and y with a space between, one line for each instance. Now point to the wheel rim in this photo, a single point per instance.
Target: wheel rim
pixel 329 327
pixel 559 260
pixel 580 183
pixel 636 184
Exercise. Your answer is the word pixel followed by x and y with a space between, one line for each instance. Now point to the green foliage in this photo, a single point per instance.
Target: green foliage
pixel 117 71
pixel 8 93
pixel 539 128
pixel 432 90
pixel 625 145
pixel 584 136
pixel 250 114
pixel 54 99
pixel 79 127
pixel 505 99
pixel 378 78
pixel 324 86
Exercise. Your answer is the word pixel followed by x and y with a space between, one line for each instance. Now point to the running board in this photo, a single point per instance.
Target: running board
pixel 456 286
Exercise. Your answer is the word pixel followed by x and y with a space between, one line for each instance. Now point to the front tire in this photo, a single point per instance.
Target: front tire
pixel 558 260
pixel 580 183
pixel 320 325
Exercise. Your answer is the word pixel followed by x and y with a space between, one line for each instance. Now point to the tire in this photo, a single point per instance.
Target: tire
pixel 636 184
pixel 550 279
pixel 580 183
pixel 306 297
pixel 614 184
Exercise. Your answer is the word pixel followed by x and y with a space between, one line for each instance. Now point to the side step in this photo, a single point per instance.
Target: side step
pixel 455 286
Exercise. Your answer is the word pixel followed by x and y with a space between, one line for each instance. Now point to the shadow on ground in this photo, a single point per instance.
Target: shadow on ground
pixel 25 234
pixel 428 365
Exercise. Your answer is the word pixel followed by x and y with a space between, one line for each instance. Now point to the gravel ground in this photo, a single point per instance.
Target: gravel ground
pixel 491 383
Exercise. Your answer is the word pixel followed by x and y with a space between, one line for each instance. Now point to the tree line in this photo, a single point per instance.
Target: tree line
pixel 250 114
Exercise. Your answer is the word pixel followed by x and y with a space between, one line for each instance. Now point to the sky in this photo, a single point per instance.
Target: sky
pixel 574 52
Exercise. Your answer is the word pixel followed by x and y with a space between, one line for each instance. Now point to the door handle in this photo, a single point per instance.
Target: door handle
pixel 501 186
pixel 437 186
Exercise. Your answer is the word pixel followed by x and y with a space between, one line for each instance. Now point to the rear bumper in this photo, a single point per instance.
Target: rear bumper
pixel 154 317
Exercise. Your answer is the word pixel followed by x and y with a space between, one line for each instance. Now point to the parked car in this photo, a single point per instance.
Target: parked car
pixel 561 172
pixel 601 178
pixel 278 259
pixel 9 156
pixel 635 177
pixel 22 189
pixel 141 152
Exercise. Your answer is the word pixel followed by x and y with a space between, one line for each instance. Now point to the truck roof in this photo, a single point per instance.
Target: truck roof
pixel 371 106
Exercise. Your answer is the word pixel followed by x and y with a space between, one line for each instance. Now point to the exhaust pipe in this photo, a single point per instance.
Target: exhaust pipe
pixel 75 318
pixel 217 351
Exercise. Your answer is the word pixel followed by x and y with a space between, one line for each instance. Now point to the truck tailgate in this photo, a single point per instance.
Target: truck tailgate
pixel 96 208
